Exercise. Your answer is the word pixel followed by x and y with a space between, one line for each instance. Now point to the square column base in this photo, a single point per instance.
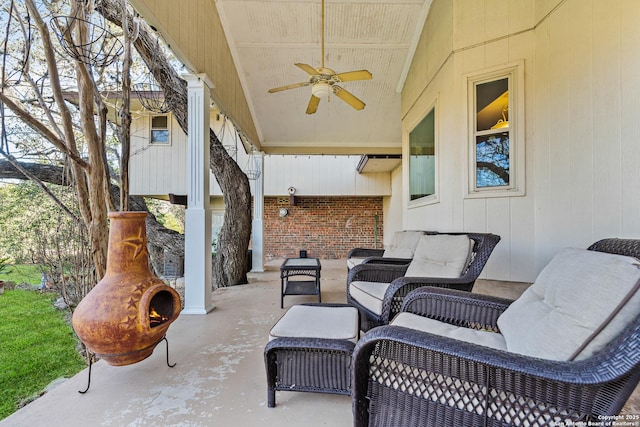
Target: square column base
pixel 197 267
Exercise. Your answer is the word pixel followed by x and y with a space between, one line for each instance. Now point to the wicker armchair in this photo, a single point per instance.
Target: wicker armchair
pixel 400 251
pixel 400 286
pixel 405 377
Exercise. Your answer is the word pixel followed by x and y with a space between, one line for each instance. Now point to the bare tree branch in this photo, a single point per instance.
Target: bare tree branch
pixel 41 129
pixel 501 172
pixel 39 183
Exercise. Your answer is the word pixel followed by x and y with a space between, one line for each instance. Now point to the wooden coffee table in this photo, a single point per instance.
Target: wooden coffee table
pixel 301 267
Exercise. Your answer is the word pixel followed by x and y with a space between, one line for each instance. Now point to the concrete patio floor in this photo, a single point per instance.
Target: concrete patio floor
pixel 219 379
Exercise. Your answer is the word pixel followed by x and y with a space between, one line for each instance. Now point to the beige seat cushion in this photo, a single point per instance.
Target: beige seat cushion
pixel 441 255
pixel 570 299
pixel 403 244
pixel 369 294
pixel 307 321
pixel 353 261
pixel 485 338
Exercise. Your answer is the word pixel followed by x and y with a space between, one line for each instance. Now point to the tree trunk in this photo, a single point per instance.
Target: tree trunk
pixel 125 118
pixel 230 265
pixel 91 177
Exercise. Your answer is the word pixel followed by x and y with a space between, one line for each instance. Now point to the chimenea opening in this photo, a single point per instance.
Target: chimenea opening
pixel 160 308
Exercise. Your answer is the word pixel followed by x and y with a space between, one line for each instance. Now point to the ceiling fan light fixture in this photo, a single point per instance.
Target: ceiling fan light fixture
pixel 321 90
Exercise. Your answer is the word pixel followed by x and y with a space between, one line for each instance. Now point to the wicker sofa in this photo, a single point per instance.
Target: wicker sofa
pixel 407 377
pixel 393 282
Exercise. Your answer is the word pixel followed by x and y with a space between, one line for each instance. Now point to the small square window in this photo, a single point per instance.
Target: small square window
pixel 160 130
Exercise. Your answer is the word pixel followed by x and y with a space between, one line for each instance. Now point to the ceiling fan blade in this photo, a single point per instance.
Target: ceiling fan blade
pixel 354 75
pixel 313 104
pixel 308 69
pixel 347 97
pixel 292 86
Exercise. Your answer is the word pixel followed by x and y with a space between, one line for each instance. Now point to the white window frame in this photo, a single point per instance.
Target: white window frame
pixel 514 72
pixel 168 129
pixel 409 126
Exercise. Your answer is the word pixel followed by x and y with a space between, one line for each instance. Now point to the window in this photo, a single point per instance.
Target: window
pixel 422 158
pixel 492 135
pixel 160 130
pixel 496 149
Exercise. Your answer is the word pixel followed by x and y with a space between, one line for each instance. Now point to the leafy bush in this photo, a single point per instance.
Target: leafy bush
pixel 26 214
pixel 66 261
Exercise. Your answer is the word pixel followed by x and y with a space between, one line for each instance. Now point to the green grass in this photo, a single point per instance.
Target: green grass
pixel 37 346
pixel 22 273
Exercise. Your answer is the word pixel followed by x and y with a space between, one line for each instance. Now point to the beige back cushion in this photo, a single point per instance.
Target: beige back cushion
pixel 441 255
pixel 403 244
pixel 570 299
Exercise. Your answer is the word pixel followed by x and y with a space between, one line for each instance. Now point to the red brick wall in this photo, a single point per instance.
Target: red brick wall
pixel 326 227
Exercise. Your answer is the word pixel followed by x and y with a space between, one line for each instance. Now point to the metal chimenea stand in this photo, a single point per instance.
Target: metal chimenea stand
pixel 92 357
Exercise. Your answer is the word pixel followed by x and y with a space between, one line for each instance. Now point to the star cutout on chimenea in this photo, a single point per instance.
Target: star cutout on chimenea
pixel 139 243
pixel 129 320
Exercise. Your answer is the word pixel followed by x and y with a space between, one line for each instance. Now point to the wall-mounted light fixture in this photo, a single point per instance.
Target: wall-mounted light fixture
pixel 292 197
pixel 283 212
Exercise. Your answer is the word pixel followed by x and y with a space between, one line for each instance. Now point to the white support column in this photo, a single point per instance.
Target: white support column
pixel 197 239
pixel 257 227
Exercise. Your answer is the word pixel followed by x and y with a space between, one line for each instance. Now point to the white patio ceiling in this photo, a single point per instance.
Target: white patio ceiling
pixel 267 37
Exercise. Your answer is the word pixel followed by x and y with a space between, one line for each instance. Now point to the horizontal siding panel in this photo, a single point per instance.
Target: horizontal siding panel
pixel 322 175
pixel 160 170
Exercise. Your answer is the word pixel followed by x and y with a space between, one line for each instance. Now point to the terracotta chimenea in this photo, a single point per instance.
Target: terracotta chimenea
pixel 128 312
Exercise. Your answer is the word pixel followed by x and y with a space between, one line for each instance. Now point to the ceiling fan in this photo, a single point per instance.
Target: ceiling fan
pixel 323 81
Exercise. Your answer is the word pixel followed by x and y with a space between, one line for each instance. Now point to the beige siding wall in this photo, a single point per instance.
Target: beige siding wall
pixel 581 137
pixel 434 47
pixel 321 175
pixel 161 169
pixel 587 129
pixel 392 207
pixel 156 169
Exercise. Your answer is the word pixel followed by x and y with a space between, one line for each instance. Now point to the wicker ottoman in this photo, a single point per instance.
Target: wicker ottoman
pixel 310 349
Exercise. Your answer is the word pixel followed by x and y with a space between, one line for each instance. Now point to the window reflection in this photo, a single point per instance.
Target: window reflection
pixel 492 160
pixel 422 158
